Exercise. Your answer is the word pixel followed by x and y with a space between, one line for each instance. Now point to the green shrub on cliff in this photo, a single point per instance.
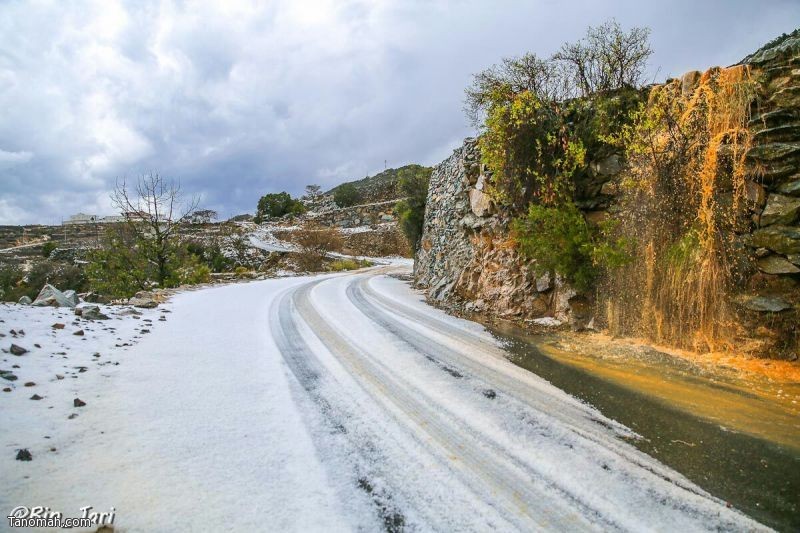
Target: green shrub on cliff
pixel 413 184
pixel 558 240
pixel 527 146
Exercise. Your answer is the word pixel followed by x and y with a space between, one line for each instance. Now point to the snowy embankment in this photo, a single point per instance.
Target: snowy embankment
pixel 335 403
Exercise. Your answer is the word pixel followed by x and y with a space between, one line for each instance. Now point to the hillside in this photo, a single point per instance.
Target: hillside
pixel 380 187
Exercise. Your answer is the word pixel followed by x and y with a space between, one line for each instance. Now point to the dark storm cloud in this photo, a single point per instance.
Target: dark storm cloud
pixel 239 98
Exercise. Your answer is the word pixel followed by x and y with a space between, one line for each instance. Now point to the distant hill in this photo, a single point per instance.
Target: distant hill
pixel 381 187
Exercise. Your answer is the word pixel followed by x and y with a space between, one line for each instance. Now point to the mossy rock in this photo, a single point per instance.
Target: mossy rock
pixel 770 152
pixel 782 239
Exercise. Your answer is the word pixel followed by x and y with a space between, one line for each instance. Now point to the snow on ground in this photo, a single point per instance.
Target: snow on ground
pixel 262 237
pixel 328 403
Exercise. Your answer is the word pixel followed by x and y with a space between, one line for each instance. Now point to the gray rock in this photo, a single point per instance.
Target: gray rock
pixel 24 455
pixel 794 259
pixel 780 210
pixel 49 296
pixel 791 188
pixel 479 202
pixel 25 300
pixel 764 304
pixel 544 283
pixel 17 350
pixel 91 312
pixel 71 296
pixel 144 303
pixel 776 264
pixel 610 166
pixel 689 82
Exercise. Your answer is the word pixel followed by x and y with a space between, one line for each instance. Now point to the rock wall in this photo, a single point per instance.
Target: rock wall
pixel 357 215
pixel 467 263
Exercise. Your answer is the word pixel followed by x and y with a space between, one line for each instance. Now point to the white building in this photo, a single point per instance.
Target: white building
pixel 80 218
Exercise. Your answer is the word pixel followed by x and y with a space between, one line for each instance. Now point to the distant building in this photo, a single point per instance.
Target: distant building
pixel 83 218
pixel 80 218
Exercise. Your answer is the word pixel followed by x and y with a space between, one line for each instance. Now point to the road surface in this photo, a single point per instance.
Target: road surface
pixel 343 403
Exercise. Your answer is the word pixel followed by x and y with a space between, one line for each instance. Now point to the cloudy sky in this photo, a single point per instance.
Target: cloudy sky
pixel 237 98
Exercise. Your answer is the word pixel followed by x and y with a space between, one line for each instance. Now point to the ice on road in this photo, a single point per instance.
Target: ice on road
pixel 342 403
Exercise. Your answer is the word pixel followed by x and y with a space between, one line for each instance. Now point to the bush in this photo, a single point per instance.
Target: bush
pixel 341 265
pixel 528 147
pixel 10 276
pixel 411 211
pixel 48 247
pixel 346 195
pixel 559 241
pixel 211 254
pixel 121 267
pixel 315 243
pixel 275 205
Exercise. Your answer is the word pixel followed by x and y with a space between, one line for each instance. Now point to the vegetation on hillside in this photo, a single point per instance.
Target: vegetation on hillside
pixel 542 120
pixel 346 195
pixel 276 205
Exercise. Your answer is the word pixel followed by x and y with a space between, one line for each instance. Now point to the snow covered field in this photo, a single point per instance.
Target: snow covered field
pixel 329 403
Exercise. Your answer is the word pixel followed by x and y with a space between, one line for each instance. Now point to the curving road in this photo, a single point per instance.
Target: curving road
pixel 443 433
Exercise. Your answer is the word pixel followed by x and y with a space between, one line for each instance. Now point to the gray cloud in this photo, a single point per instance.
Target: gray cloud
pixel 239 98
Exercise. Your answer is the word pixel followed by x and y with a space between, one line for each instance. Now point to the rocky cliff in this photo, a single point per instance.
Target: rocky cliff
pixel 468 260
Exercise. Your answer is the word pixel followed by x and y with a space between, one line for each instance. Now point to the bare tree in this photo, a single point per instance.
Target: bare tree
pixel 153 210
pixel 512 76
pixel 607 58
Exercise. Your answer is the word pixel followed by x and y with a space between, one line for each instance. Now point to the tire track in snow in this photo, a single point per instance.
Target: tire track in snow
pixel 571 413
pixel 508 483
pixel 513 490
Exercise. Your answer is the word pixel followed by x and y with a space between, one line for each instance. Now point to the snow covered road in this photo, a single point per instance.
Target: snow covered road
pixel 341 403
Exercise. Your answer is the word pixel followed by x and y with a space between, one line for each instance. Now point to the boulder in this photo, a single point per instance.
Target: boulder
pixel 609 166
pixel 775 264
pixel 689 82
pixel 763 304
pixel 780 209
pixel 144 303
pixel 49 296
pixel 91 312
pixel 772 151
pixel 72 296
pixel 25 300
pixel 479 202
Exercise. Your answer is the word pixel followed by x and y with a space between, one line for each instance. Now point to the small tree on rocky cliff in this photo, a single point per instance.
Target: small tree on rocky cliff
pixel 313 194
pixel 153 211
